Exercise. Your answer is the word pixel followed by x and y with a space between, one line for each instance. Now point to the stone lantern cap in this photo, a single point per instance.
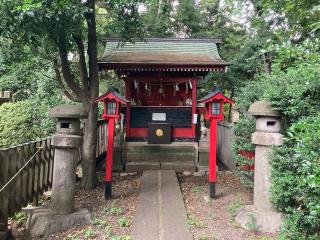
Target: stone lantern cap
pixel 263 108
pixel 68 111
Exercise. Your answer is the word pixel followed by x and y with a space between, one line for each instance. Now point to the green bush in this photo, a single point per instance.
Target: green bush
pixel 294 92
pixel 296 179
pixel 24 121
pixel 295 167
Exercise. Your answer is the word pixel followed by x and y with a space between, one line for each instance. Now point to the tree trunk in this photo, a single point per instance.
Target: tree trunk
pixel 89 177
pixel 267 62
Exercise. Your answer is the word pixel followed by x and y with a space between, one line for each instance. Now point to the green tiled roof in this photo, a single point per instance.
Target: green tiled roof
pixel 208 47
pixel 162 52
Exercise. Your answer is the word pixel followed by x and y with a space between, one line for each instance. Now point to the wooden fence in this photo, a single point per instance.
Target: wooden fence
pixel 224 149
pixel 101 137
pixel 32 177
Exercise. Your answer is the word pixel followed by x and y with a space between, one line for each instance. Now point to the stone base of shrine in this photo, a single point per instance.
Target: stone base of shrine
pixel 251 219
pixel 43 222
pixel 6 235
pixel 177 166
pixel 178 156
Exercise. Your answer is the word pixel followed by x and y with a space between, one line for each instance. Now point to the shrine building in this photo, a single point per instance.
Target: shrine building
pixel 161 114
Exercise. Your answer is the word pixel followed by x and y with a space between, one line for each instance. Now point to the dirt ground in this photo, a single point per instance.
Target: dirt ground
pixel 111 220
pixel 214 219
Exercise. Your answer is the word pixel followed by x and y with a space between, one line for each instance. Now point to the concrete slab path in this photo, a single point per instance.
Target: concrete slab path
pixel 160 212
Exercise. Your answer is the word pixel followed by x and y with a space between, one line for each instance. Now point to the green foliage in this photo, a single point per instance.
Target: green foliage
pixel 197 190
pixel 295 92
pixel 121 238
pixel 233 207
pixel 202 236
pixel 123 222
pixel 73 237
pixel 158 19
pixel 24 121
pixel 251 224
pixel 108 231
pixel 193 221
pixel 115 210
pixel 98 222
pixel 125 19
pixel 296 179
pixel 20 217
pixel 293 88
pixel 188 17
pixel 89 233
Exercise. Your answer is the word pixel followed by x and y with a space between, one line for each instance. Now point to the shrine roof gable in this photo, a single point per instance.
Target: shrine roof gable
pixel 160 52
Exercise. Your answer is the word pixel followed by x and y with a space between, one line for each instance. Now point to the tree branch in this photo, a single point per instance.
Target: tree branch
pixel 69 78
pixel 92 50
pixel 60 83
pixel 82 64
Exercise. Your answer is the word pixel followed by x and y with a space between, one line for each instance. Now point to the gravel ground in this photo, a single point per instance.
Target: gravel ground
pixel 214 219
pixel 110 220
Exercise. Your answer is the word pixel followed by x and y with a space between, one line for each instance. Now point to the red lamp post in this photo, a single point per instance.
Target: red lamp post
pixel 213 102
pixel 111 112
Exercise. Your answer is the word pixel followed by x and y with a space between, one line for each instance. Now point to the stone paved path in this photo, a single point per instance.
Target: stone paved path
pixel 160 212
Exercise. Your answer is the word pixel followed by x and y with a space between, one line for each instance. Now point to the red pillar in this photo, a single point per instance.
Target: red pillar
pixel 194 105
pixel 109 159
pixel 128 96
pixel 213 157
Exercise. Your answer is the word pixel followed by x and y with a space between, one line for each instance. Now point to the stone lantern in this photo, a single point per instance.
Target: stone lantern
pixel 261 214
pixel 62 214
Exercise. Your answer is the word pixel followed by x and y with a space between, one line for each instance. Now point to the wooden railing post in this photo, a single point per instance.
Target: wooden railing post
pixel 4 213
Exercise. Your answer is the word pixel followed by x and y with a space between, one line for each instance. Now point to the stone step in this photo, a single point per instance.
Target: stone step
pixel 176 166
pixel 144 147
pixel 179 166
pixel 160 157
pixel 142 166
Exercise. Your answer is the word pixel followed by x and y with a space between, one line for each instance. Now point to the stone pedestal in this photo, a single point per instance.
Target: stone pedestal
pixel 61 215
pixel 43 221
pixel 261 215
pixel 204 144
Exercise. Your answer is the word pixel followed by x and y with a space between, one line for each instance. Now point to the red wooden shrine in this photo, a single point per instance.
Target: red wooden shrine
pixel 160 93
pixel 161 78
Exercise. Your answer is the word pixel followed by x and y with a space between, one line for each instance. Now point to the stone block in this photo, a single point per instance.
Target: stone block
pixel 203 158
pixel 179 166
pixel 160 156
pixel 203 168
pixel 66 141
pixel 7 235
pixel 117 168
pixel 251 219
pixel 43 222
pixel 142 166
pixel 267 139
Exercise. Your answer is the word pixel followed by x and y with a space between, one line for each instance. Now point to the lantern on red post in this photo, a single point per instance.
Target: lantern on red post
pixel 111 112
pixel 214 103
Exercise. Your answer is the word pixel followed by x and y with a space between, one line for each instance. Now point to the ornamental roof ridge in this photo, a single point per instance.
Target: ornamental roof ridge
pixel 168 39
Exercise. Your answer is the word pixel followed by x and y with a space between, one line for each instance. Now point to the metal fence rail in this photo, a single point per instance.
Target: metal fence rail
pixel 34 178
